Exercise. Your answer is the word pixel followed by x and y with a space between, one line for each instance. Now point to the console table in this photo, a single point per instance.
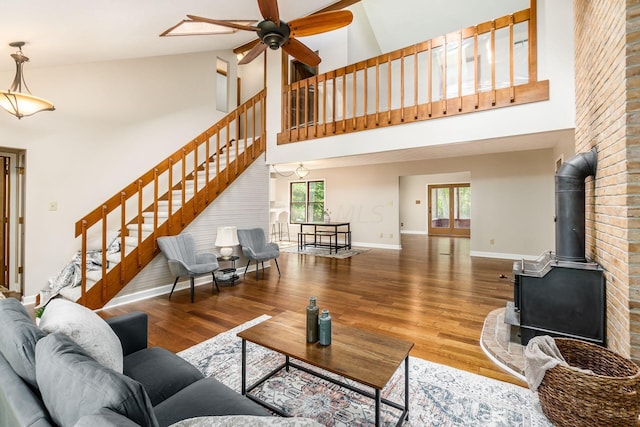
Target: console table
pixel 337 233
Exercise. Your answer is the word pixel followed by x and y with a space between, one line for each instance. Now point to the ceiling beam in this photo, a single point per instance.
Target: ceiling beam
pixel 340 4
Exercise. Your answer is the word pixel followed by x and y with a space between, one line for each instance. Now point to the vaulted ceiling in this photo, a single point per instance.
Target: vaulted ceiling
pixel 70 31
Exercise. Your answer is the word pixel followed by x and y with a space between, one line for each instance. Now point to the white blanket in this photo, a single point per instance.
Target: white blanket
pixel 540 355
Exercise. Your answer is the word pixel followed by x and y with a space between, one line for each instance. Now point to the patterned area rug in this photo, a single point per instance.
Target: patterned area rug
pixel 439 395
pixel 324 252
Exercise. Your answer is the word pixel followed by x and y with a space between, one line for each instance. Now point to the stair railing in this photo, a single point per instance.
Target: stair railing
pixel 183 185
pixel 490 65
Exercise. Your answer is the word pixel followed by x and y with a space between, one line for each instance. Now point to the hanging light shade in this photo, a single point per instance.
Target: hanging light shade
pixel 18 99
pixel 301 171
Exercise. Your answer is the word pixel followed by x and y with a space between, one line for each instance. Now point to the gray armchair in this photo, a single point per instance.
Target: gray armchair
pixel 183 260
pixel 255 248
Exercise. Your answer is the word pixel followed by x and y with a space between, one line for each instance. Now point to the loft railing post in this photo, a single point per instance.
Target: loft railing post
pixel 493 62
pixel 389 89
pixel 104 253
pixel 170 195
pixel 512 93
pixel 194 174
pixel 475 68
pixel 83 263
pixel 401 87
pixel 533 40
pixel 123 227
pixel 139 254
pixel 155 209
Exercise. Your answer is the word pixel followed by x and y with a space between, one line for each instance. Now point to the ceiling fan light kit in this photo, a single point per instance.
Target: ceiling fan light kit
pixel 275 33
pixel 17 100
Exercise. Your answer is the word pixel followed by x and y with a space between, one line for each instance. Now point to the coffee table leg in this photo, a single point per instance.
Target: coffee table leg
pixel 244 367
pixel 377 408
pixel 406 386
pixel 287 363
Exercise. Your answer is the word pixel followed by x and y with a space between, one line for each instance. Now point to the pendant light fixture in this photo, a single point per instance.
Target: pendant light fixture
pixel 17 100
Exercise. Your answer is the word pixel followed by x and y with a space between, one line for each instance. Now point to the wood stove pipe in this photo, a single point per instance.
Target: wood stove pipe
pixel 570 205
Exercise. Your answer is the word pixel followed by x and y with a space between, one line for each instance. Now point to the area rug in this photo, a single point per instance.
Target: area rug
pixel 439 395
pixel 324 252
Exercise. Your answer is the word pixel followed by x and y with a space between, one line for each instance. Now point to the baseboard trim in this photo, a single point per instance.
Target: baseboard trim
pixel 501 255
pixel 204 280
pixel 376 246
pixel 421 232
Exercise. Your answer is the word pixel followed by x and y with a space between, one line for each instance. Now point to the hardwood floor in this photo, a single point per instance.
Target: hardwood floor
pixel 430 292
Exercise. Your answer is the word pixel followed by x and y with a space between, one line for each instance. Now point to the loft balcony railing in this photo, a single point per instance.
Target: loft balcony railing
pixel 486 66
pixel 165 199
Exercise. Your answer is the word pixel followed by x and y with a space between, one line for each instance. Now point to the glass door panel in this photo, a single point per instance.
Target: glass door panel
pixel 440 207
pixel 450 210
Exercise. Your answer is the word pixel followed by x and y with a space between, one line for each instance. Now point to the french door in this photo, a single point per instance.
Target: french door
pixel 449 210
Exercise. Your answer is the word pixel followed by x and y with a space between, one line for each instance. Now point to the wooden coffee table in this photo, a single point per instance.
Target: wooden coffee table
pixel 365 357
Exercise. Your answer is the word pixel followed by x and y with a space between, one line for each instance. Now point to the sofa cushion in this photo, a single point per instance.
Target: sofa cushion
pixel 161 372
pixel 105 418
pixel 18 339
pixel 74 385
pixel 19 404
pixel 86 328
pixel 205 398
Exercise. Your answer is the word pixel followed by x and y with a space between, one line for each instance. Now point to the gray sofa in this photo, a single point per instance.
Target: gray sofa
pixel 48 380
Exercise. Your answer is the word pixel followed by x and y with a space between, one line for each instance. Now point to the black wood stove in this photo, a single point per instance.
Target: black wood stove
pixel 563 293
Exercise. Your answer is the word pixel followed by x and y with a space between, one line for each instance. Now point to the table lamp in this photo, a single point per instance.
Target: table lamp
pixel 227 238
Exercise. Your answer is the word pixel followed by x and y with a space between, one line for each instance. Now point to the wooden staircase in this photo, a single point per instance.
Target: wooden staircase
pixel 165 199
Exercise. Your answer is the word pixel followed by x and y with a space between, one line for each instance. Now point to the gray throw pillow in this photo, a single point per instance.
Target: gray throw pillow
pixel 18 339
pixel 74 385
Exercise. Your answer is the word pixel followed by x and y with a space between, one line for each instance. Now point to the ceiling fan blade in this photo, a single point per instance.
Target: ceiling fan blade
pixel 320 23
pixel 253 53
pixel 269 10
pixel 230 24
pixel 301 52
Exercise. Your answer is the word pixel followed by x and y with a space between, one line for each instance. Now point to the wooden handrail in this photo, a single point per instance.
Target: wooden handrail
pixel 445 80
pixel 236 141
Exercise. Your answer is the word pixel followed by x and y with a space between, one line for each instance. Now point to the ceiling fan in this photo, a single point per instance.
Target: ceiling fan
pixel 275 33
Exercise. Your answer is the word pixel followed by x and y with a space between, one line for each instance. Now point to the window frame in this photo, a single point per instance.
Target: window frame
pixel 307 203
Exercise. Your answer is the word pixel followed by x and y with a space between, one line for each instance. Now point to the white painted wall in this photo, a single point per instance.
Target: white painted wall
pixel 395 28
pixel 512 199
pixel 413 189
pixel 113 122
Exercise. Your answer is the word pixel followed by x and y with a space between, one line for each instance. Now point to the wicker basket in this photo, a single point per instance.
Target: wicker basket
pixel 608 397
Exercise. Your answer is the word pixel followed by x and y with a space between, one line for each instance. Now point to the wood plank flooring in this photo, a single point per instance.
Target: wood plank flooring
pixel 431 292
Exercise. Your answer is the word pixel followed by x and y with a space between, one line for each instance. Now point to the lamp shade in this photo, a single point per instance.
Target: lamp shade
pixel 226 238
pixel 18 100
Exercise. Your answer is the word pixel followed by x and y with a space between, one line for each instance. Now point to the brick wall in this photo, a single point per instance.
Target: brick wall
pixel 607 43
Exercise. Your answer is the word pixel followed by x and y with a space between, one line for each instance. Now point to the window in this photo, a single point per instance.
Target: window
pixel 306 201
pixel 222 85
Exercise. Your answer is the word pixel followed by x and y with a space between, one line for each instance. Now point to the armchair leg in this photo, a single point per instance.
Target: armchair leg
pixel 245 269
pixel 174 286
pixel 277 266
pixel 192 287
pixel 258 268
pixel 215 282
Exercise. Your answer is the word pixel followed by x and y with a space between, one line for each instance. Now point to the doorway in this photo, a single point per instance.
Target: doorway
pixel 304 115
pixel 449 212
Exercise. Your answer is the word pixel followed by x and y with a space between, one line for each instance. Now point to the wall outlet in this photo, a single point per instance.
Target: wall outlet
pixel 381 235
pixel 492 241
pixel 53 206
